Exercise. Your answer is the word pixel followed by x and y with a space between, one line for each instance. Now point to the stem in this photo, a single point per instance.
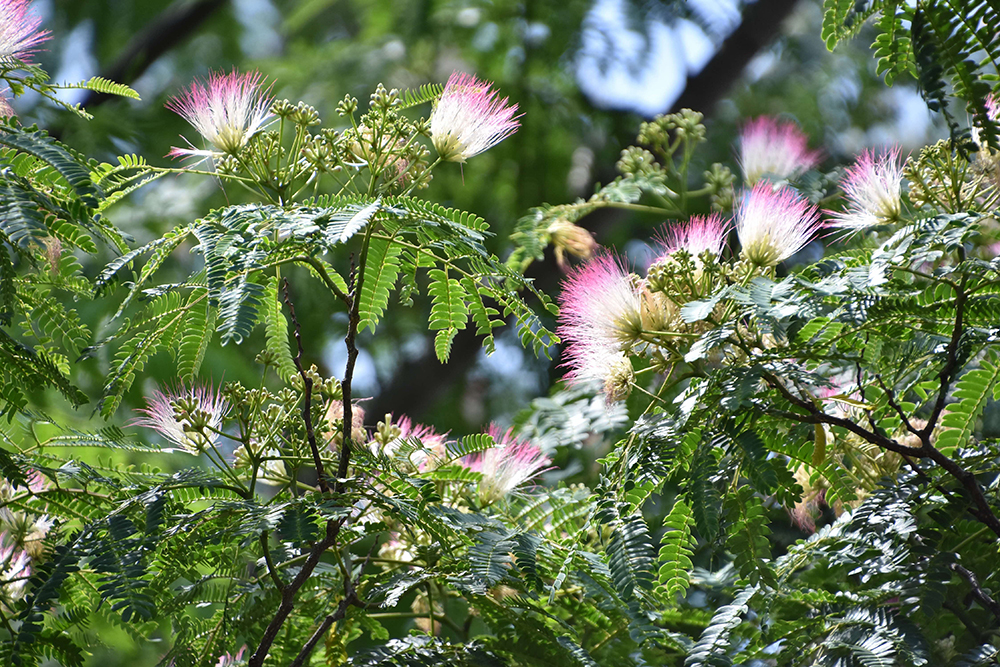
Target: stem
pixel 289 591
pixel 307 383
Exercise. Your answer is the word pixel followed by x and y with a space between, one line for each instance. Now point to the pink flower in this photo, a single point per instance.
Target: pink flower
pixel 15 568
pixel 771 148
pixel 469 119
pixel 19 33
pixel 189 417
pixel 992 112
pixel 600 317
pixel 227 660
pixel 695 236
pixel 505 467
pixel 226 111
pixel 434 444
pixel 872 190
pixel 774 223
pixel 6 110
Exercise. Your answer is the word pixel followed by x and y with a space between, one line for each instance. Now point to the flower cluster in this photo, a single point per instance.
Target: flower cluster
pixel 189 417
pixel 15 569
pixel 469 118
pixel 227 111
pixel 772 148
pixel 391 435
pixel 19 33
pixel 505 467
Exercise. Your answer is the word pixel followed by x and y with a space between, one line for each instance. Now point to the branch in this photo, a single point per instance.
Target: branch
pixel 288 593
pixel 759 25
pixel 816 416
pixel 169 29
pixel 353 320
pixel 307 383
pixel 350 598
pixel 977 590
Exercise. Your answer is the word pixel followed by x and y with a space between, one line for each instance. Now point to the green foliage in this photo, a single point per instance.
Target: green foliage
pixel 936 42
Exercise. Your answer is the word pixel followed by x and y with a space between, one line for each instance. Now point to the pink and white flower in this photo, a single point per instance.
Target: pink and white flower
pixel 434 444
pixel 229 660
pixel 19 33
pixel 505 467
pixel 189 417
pixel 992 112
pixel 15 569
pixel 600 317
pixel 227 111
pixel 469 118
pixel 769 147
pixel 695 236
pixel 872 190
pixel 774 223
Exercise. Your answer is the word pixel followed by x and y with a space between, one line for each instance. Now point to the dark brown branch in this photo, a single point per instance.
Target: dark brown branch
pixel 816 416
pixel 760 24
pixel 324 627
pixel 947 373
pixel 307 387
pixel 350 598
pixel 288 593
pixel 977 590
pixel 168 30
pixel 351 340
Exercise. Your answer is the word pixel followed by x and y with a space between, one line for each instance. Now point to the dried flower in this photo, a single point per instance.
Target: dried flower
pixel 601 315
pixel 469 119
pixel 19 33
pixel 227 110
pixel 772 148
pixel 774 223
pixel 506 466
pixel 695 236
pixel 189 417
pixel 872 189
pixel 571 238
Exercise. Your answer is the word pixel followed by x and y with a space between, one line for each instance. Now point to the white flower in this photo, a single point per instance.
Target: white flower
pixel 600 316
pixel 772 148
pixel 19 33
pixel 505 467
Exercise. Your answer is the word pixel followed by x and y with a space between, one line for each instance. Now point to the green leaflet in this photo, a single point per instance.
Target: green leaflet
pixel 449 312
pixel 676 547
pixel 276 332
pixel 381 271
pixel 197 334
pixel 972 390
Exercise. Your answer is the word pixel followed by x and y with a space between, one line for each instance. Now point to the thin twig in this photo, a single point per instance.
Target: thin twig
pixel 307 387
pixel 977 590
